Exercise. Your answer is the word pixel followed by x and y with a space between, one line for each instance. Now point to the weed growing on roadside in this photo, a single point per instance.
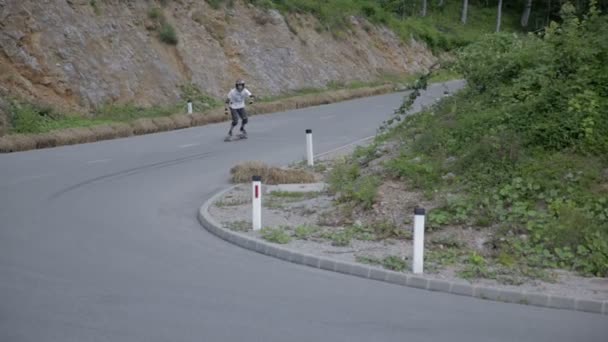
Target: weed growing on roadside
pixel 277 235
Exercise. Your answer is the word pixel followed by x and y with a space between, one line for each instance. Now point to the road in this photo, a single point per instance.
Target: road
pixel 100 242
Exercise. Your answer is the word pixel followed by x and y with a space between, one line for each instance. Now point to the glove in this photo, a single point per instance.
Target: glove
pixel 225 110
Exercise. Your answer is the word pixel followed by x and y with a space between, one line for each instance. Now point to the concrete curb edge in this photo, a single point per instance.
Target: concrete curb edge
pixel 397 278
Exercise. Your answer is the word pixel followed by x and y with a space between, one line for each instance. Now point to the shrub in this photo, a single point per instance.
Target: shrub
pixel 346 181
pixel 394 263
pixel 167 34
pixel 276 235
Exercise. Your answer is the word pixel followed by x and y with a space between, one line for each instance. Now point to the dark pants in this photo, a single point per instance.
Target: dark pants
pixel 236 113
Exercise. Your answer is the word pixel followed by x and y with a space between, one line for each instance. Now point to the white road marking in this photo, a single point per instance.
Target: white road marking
pixel 345 146
pixel 97 161
pixel 189 145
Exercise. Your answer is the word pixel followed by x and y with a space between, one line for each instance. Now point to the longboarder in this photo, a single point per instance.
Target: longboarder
pixel 235 101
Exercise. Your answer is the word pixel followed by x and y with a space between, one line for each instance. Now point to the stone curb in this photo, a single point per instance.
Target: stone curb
pixel 397 278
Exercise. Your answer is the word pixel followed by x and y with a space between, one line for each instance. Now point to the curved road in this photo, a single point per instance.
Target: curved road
pixel 99 242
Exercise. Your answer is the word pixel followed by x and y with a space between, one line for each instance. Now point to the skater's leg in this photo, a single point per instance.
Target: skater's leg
pixel 235 119
pixel 244 119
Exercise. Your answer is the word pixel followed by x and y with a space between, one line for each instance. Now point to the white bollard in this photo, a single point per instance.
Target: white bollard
pixel 418 264
pixel 256 188
pixel 189 107
pixel 309 152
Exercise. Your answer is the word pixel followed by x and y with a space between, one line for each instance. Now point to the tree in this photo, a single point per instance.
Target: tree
pixel 499 16
pixel 525 16
pixel 465 11
pixel 424 6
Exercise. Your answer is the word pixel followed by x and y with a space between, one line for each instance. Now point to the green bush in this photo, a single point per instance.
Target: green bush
pixel 201 101
pixel 27 119
pixel 305 232
pixel 341 238
pixel 346 180
pixel 155 13
pixel 394 263
pixel 525 145
pixel 167 34
pixel 215 4
pixel 276 235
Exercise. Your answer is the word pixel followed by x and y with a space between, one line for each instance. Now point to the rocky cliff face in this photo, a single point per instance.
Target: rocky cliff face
pixel 79 54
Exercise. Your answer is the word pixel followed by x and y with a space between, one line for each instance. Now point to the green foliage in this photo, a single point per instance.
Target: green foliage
pixel 390 262
pixel 526 147
pixel 201 101
pixel 394 263
pixel 129 112
pixel 167 34
pixel 95 5
pixel 440 29
pixel 215 4
pixel 437 218
pixel 388 230
pixel 28 119
pixel 370 260
pixel 277 235
pixel 346 180
pixel 476 267
pixel 238 226
pixel 437 259
pixel 550 90
pixel 341 238
pixel 305 232
pixel 155 13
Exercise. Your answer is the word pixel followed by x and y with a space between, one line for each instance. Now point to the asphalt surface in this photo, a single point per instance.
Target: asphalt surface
pixel 100 242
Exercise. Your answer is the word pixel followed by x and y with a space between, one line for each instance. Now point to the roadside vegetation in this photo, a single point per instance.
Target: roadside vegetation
pixel 521 155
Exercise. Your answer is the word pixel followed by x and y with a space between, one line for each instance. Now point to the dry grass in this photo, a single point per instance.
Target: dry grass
pixel 164 123
pixel 122 130
pixel 17 142
pixel 242 173
pixel 143 126
pixel 209 118
pixel 46 140
pixel 181 121
pixel 71 136
pixel 104 132
pixel 81 135
pixel 6 144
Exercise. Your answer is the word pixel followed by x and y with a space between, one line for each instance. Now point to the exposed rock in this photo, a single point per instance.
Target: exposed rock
pixel 76 55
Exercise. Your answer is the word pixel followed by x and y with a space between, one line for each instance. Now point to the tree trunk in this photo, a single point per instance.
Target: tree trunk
pixel 499 16
pixel 465 11
pixel 525 17
pixel 441 3
pixel 423 13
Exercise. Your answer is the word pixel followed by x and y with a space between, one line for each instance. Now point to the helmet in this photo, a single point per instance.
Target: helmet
pixel 240 83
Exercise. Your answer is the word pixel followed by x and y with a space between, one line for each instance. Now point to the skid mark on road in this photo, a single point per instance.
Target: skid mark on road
pixel 133 171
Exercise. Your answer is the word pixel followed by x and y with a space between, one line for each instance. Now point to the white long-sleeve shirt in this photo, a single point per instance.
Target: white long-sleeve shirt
pixel 237 98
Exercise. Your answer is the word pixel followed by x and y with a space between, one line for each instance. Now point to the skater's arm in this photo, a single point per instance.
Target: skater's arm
pixel 250 96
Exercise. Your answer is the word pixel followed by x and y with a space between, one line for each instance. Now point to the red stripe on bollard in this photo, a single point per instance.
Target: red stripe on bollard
pixel 257 192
